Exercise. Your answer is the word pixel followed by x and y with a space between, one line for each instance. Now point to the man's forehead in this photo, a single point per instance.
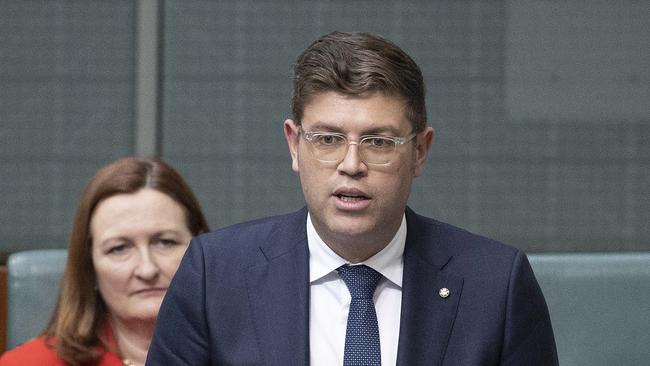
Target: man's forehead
pixel 367 114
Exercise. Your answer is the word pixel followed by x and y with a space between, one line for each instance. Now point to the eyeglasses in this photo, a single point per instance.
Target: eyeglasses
pixel 331 147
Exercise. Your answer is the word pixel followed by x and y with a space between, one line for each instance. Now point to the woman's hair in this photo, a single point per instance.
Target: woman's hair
pixel 80 313
pixel 356 64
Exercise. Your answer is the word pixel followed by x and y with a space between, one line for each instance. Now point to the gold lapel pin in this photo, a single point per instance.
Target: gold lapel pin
pixel 444 292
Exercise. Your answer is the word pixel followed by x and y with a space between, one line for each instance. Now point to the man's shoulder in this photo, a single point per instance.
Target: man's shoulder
pixel 284 225
pixel 474 257
pixel 453 239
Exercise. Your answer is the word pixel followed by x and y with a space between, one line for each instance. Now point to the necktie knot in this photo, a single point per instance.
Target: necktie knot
pixel 361 280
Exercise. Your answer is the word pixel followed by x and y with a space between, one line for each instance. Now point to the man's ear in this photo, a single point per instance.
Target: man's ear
pixel 424 140
pixel 292 134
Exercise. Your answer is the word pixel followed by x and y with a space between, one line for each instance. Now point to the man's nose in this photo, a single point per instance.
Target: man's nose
pixel 352 164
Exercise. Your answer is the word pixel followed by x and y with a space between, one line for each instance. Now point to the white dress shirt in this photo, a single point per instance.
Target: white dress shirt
pixel 330 299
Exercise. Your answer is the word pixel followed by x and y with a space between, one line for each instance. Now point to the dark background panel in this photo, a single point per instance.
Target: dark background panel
pixel 66 108
pixel 540 110
pixel 519 155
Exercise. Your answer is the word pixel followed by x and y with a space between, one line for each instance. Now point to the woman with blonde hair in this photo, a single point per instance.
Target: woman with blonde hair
pixel 133 224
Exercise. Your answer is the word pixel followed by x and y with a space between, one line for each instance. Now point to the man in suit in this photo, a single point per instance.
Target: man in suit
pixel 356 277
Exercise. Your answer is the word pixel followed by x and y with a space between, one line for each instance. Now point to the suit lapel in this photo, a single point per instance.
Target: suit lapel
pixel 427 317
pixel 279 295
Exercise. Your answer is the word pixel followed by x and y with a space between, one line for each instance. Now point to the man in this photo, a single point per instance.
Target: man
pixel 356 278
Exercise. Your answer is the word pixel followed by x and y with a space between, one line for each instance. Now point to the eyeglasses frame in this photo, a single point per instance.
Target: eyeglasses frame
pixel 398 140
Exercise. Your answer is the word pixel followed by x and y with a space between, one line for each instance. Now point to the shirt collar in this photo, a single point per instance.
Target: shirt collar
pixel 388 262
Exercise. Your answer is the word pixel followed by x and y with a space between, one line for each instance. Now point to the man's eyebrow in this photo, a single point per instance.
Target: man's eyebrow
pixel 336 127
pixel 326 127
pixel 381 130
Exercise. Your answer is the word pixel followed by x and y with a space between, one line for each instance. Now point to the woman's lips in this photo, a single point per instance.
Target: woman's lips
pixel 149 291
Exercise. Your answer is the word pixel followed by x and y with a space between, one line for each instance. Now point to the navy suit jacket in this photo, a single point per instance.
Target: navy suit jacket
pixel 241 297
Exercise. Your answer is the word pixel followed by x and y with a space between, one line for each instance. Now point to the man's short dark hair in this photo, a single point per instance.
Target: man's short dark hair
pixel 358 64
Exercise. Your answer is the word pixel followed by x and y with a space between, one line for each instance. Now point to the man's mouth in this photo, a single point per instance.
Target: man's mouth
pixel 351 194
pixel 351 197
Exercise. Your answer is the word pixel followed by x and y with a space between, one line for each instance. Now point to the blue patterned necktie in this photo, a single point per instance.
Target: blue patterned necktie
pixel 362 334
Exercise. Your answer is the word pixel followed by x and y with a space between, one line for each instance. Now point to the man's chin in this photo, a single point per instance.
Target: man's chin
pixel 351 228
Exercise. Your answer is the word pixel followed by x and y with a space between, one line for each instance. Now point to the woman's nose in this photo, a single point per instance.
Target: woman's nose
pixel 147 268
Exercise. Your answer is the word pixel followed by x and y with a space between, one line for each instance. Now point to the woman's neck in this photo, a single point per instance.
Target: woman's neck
pixel 133 339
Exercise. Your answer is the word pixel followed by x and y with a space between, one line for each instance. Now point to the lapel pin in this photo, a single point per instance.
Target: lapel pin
pixel 444 292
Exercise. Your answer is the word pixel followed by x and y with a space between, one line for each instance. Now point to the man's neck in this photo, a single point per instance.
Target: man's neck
pixel 356 253
pixel 356 249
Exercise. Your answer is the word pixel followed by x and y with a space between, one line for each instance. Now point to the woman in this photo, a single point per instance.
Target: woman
pixel 133 224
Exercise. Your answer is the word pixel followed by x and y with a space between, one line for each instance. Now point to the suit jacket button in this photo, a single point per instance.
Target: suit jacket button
pixel 444 292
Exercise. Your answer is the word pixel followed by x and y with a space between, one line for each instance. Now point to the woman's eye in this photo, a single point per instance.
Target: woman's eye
pixel 168 242
pixel 117 249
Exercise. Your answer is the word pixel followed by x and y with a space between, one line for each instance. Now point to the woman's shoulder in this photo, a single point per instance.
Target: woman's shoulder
pixel 38 352
pixel 33 352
